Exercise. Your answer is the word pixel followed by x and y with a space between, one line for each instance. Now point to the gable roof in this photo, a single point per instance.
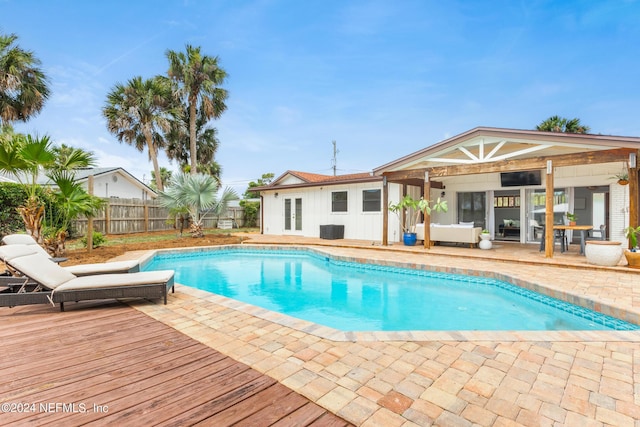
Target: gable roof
pixel 298 179
pixel 318 178
pixel 82 175
pixel 485 144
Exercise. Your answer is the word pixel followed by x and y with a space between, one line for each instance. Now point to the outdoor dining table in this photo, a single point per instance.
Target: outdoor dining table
pixel 583 232
pixel 583 229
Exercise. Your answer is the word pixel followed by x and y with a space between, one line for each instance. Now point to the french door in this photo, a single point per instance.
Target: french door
pixel 293 215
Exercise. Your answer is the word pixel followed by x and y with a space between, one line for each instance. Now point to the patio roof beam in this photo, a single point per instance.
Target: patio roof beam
pixel 591 157
pixel 588 158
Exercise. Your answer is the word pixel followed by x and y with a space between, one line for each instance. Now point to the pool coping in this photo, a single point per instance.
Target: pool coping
pixel 365 336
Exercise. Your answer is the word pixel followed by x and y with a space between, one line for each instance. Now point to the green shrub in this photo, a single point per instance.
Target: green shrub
pixel 98 239
pixel 250 213
pixel 11 196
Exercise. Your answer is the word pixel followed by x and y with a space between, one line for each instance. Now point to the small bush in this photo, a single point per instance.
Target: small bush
pixel 251 210
pixel 11 196
pixel 98 239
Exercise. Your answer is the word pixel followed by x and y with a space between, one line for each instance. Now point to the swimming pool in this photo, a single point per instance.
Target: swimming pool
pixel 365 297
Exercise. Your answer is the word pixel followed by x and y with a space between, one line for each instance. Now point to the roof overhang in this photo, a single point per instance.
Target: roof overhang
pixel 486 146
pixel 336 181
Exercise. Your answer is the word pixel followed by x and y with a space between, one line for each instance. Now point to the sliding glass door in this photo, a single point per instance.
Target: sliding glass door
pixel 472 207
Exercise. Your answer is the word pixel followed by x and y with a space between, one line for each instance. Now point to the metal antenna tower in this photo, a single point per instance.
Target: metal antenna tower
pixel 334 160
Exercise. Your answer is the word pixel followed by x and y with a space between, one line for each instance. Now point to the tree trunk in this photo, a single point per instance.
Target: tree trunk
pixel 196 229
pixel 192 137
pixel 32 214
pixel 153 154
pixel 57 244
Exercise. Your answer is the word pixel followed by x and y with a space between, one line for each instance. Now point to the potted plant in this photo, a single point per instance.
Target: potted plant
pixel 632 255
pixel 485 239
pixel 571 218
pixel 622 177
pixel 412 208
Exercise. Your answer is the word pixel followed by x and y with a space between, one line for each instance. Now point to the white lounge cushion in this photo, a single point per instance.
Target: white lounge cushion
pixel 18 239
pixel 116 280
pixel 24 239
pixel 101 268
pixel 9 252
pixel 42 270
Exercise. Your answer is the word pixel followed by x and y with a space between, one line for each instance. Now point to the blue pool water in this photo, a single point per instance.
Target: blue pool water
pixel 363 297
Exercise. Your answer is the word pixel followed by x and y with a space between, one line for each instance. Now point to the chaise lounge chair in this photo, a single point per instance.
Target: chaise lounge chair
pixel 79 270
pixel 45 281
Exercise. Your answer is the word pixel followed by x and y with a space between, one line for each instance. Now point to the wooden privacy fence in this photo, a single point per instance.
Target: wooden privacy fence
pixel 124 216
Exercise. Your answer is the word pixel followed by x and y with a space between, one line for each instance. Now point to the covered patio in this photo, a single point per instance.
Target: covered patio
pixel 482 154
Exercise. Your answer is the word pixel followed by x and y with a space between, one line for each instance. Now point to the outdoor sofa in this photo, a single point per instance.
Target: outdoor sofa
pixel 452 233
pixel 45 281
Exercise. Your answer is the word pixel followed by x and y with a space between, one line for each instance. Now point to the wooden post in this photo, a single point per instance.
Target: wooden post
pixel 634 190
pixel 107 217
pixel 146 217
pixel 427 218
pixel 385 212
pixel 548 218
pixel 403 214
pixel 90 218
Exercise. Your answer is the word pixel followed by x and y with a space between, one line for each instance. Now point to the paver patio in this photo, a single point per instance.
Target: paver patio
pixel 441 378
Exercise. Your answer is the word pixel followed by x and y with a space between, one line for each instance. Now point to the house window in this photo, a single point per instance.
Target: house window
pixel 338 201
pixel 371 200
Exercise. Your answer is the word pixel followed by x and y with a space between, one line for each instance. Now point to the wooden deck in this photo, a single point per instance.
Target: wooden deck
pixel 105 363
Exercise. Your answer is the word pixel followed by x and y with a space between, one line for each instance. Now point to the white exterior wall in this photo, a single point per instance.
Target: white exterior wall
pixel 105 186
pixel 618 211
pixel 316 211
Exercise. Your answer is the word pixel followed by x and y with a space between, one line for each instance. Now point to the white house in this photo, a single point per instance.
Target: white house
pixel 497 178
pixel 111 182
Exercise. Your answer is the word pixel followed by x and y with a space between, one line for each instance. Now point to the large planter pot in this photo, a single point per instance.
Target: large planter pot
pixel 633 259
pixel 485 241
pixel 602 252
pixel 409 239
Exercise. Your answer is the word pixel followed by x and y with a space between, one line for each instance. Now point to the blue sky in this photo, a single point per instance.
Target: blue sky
pixel 381 78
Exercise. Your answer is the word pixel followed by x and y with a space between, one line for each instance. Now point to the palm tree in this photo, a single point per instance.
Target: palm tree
pixel 140 113
pixel 23 85
pixel 574 126
pixel 560 124
pixel 195 195
pixel 71 201
pixel 67 158
pixel 164 173
pixel 198 78
pixel 26 158
pixel 207 144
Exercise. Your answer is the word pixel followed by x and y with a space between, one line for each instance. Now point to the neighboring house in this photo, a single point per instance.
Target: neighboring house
pixel 495 177
pixel 110 182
